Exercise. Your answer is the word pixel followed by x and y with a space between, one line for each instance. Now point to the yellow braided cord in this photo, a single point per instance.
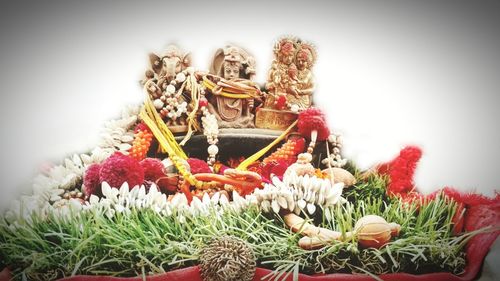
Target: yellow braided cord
pixel 160 130
pixel 164 144
pixel 244 165
pixel 210 85
pixel 156 132
pixel 191 119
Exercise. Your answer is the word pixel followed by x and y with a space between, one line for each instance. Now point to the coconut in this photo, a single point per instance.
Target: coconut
pixel 374 231
pixel 340 175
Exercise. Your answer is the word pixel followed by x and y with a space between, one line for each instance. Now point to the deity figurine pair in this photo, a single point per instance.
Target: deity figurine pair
pixel 233 97
pixel 290 81
pixel 289 84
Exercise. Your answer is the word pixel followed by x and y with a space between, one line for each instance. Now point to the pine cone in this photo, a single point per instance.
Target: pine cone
pixel 227 258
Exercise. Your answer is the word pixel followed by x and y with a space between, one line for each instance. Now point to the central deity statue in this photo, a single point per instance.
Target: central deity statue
pixel 289 85
pixel 290 82
pixel 233 93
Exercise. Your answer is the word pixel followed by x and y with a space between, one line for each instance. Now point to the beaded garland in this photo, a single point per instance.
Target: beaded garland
pixel 170 104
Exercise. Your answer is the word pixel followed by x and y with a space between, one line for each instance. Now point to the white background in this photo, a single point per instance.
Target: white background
pixel 388 75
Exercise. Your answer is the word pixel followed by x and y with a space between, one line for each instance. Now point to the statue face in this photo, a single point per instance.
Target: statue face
pixel 304 60
pixel 286 53
pixel 285 58
pixel 302 63
pixel 171 66
pixel 231 70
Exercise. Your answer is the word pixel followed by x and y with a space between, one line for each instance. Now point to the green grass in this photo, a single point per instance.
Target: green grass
pixel 147 243
pixel 373 187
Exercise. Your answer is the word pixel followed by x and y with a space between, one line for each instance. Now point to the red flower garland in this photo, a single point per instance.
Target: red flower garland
pixel 401 171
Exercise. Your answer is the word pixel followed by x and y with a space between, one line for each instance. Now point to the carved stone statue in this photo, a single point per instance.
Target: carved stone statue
pixel 233 92
pixel 290 81
pixel 289 84
pixel 282 76
pixel 303 89
pixel 169 64
pixel 162 83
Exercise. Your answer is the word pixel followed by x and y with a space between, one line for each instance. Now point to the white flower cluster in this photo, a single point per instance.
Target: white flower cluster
pixel 295 193
pixel 124 200
pixel 335 159
pixel 211 131
pixel 210 125
pixel 298 193
pixel 117 135
pixel 48 187
pixel 170 103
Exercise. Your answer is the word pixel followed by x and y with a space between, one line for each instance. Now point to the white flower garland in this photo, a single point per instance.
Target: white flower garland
pixel 294 193
pixel 211 131
pixel 298 193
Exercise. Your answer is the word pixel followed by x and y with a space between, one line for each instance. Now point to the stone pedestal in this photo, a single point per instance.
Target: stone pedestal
pixel 177 129
pixel 266 118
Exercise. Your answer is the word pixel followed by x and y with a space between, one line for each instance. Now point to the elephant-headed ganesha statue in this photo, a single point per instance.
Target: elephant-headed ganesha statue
pixel 164 85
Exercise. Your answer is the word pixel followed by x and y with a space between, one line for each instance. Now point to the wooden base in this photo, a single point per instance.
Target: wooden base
pixel 178 128
pixel 266 118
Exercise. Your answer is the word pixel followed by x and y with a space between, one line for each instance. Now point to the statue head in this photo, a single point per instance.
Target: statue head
pixel 305 57
pixel 170 63
pixel 285 51
pixel 174 61
pixel 233 62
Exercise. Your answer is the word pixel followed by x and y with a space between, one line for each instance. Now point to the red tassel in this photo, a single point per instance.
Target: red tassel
pixel 313 119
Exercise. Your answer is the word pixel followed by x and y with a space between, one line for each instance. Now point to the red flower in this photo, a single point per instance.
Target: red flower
pixel 313 119
pixel 401 171
pixel 276 168
pixel 91 183
pixel 198 166
pixel 153 169
pixel 280 102
pixel 119 168
pixel 141 127
pixel 203 102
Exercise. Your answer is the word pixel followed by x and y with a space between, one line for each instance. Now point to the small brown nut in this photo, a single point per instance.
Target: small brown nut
pixel 340 175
